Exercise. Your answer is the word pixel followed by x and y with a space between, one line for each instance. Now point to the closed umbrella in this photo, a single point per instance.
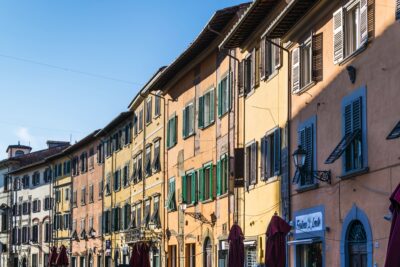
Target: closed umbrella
pixel 135 257
pixel 145 257
pixel 393 255
pixel 52 257
pixel 236 247
pixel 62 259
pixel 275 251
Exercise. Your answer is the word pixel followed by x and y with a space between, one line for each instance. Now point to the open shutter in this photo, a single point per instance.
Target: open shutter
pixel 277 151
pixel 230 86
pixel 212 106
pixel 253 163
pixel 348 127
pixel 397 9
pixel 253 69
pixel 201 184
pixel 211 181
pixel 174 130
pixel 241 77
pixel 338 36
pixel 219 99
pixel 317 66
pixel 168 134
pixel 219 178
pixel 363 21
pixel 295 70
pixel 184 118
pixel 278 54
pixel 356 116
pixel 184 200
pixel 262 59
pixel 201 112
pixel 263 158
pixel 193 187
pixel 257 68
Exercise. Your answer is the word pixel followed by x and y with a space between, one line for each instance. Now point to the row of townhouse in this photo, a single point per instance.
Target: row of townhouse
pixel 277 107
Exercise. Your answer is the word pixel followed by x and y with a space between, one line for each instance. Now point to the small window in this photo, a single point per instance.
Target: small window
pixel 66 194
pixel 270 57
pixel 307 141
pixel 188 120
pixel 156 161
pixel 248 72
pixel 189 188
pixel 140 120
pixel 147 166
pixel 117 180
pixel 67 167
pixel 224 95
pixel 83 196
pixel 125 176
pixel 148 110
pixel 206 109
pixel 270 155
pixel 206 182
pixel 91 193
pixel 171 201
pixel 108 184
pixel 25 181
pixel 222 175
pixel 157 106
pixel 251 164
pixel 171 132
pixel 75 198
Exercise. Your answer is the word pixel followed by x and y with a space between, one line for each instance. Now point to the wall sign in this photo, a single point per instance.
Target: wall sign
pixel 307 223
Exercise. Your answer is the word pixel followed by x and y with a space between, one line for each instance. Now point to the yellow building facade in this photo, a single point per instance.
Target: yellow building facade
pixel 262 126
pixel 116 139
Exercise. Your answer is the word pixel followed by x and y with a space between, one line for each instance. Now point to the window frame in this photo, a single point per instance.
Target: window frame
pixel 210 95
pixel 249 180
pixel 149 107
pixel 172 138
pixel 187 121
pixel 225 95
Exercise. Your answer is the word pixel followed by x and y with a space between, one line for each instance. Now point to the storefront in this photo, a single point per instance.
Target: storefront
pixel 223 251
pixel 308 244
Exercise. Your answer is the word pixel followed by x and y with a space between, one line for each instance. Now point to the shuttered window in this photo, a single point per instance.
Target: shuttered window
pixel 307 140
pixel 350 29
pixel 397 9
pixel 155 217
pixel 270 57
pixel 117 180
pixel 156 161
pixel 206 109
pixel 125 175
pixel 147 165
pixel 222 175
pixel 188 120
pixel 171 132
pixel 157 106
pixel 171 201
pixel 270 155
pixel 248 82
pixel 149 110
pixel 206 182
pixel 251 164
pixel 352 122
pixel 224 95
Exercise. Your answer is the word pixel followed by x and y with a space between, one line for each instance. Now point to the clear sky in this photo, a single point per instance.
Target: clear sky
pixel 50 49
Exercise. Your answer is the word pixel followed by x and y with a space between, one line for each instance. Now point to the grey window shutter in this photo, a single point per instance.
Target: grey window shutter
pixel 363 21
pixel 397 9
pixel 253 163
pixel 295 70
pixel 277 151
pixel 253 69
pixel 263 158
pixel 200 118
pixel 184 124
pixel 278 54
pixel 317 63
pixel 338 36
pixel 262 58
pixel 241 77
pixel 257 67
pixel 212 105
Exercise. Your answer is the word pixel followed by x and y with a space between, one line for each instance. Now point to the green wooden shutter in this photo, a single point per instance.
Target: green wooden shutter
pixel 184 200
pixel 201 112
pixel 169 133
pixel 219 99
pixel 219 178
pixel 230 83
pixel 212 106
pixel 174 130
pixel 184 117
pixel 277 151
pixel 193 191
pixel 211 182
pixel 201 184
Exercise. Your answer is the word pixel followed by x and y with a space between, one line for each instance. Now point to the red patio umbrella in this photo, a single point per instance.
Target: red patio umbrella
pixel 275 251
pixel 236 247
pixel 145 255
pixel 62 259
pixel 393 255
pixel 52 257
pixel 135 257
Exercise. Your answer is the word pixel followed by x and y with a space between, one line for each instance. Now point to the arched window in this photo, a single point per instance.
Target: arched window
pixel 207 252
pixel 356 244
pixel 19 153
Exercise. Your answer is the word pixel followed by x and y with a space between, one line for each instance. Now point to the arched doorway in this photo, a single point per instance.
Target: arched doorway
pixel 356 244
pixel 207 252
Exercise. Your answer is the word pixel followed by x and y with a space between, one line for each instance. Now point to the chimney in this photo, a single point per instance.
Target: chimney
pixel 51 144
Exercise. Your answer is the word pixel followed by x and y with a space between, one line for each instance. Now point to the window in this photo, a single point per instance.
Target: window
pixel 17 184
pixel 156 161
pixel 84 162
pixel 155 217
pixel 190 255
pixel 36 178
pixel 25 234
pixel 271 154
pixel 251 164
pixel 66 221
pixel 140 120
pixel 206 109
pixel 354 142
pixel 271 56
pixel 207 253
pixel 58 195
pixel 125 175
pixel 25 181
pixel 91 193
pixel 67 167
pixel 139 169
pixel 106 221
pixel 128 133
pixel 57 222
pixel 189 188
pixel 91 158
pixel 75 167
pixel 47 175
pixel 171 132
pixel 100 153
pixel 126 216
pixel 35 233
pixel 83 196
pixel 66 194
pixel 48 203
pixel 356 244
pixel 248 69
pixel 171 202
pixel 4 222
pixel 35 260
pixel 83 225
pixel 222 175
pixel 36 205
pixel 309 255
pixel 147 165
pixel 172 259
pixel 148 110
pixel 350 29
pixel 75 199
pixel 6 183
pixel 108 184
pixel 47 232
pixel 206 177
pixel 188 120
pixel 146 218
pixel 26 208
pixel 117 180
pixel 224 95
pixel 116 219
pixel 307 141
pixel 101 189
pixel 157 106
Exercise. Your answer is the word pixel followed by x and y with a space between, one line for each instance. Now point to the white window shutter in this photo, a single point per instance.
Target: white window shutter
pixel 278 54
pixel 363 21
pixel 262 58
pixel 338 36
pixel 295 70
pixel 253 68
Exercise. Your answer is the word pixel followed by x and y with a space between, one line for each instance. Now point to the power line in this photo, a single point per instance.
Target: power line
pixel 70 70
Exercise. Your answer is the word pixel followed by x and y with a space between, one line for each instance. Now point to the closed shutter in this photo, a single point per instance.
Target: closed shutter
pixel 230 86
pixel 184 123
pixel 219 183
pixel 262 59
pixel 211 181
pixel 212 106
pixel 123 217
pixel 257 68
pixel 317 63
pixel 397 9
pixel 252 69
pixel 263 158
pixel 278 54
pixel 253 176
pixel 174 130
pixel 241 77
pixel 357 113
pixel 169 134
pixel 363 21
pixel 295 70
pixel 277 151
pixel 112 215
pixel 201 184
pixel 184 184
pixel 201 112
pixel 306 142
pixel 338 36
pixel 194 187
pixel 219 99
pixel 348 119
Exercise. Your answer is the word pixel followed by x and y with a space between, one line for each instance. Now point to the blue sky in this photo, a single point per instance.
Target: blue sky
pixel 119 39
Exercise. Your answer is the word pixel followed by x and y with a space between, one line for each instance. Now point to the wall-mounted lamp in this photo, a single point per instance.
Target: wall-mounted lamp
pixel 352 73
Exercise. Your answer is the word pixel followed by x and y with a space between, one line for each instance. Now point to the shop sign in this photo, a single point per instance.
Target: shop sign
pixel 307 223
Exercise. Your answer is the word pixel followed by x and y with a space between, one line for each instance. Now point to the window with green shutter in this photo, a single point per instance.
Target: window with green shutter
pixel 193 191
pixel 206 109
pixel 222 175
pixel 207 182
pixel 171 132
pixel 224 95
pixel 307 140
pixel 189 188
pixel 171 202
pixel 188 120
